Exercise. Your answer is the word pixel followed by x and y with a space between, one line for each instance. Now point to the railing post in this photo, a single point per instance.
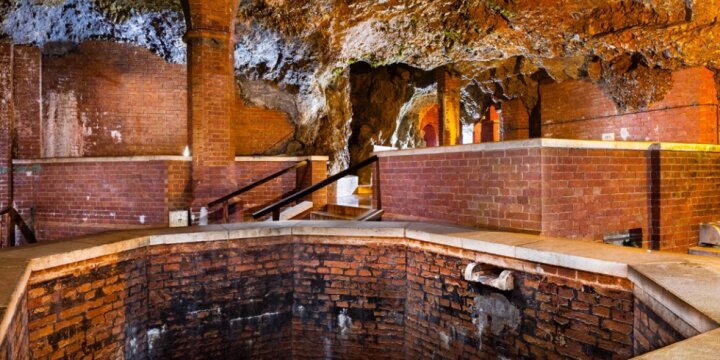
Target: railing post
pixel 377 180
pixel 10 224
pixel 226 212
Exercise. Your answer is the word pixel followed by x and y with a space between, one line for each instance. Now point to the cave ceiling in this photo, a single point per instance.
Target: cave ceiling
pixel 504 48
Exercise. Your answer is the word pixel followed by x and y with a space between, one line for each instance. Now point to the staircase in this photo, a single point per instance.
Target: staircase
pixel 347 212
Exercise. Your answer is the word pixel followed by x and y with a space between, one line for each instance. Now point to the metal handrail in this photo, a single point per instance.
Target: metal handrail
pixel 275 208
pixel 256 184
pixel 225 200
pixel 9 219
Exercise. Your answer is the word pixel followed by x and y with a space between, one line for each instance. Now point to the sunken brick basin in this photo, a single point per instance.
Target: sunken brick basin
pixel 303 290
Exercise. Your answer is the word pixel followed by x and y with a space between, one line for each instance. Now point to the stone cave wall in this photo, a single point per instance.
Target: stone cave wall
pixel 386 105
pixel 309 297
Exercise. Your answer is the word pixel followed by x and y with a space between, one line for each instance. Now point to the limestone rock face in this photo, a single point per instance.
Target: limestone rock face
pixel 503 49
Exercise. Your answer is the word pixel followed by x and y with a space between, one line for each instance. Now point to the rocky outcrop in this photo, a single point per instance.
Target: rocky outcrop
pixel 303 49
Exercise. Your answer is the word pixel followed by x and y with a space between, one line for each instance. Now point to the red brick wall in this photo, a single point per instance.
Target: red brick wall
pixel 96 307
pixel 563 192
pixel 352 301
pixel 71 199
pixel 28 101
pixel 320 297
pixel 688 196
pixel 588 193
pixel 515 120
pixel 111 99
pixel 651 332
pixel 221 300
pixel 561 312
pixel 248 172
pixel 6 119
pixel 258 131
pixel 16 344
pixel 688 113
pixel 494 189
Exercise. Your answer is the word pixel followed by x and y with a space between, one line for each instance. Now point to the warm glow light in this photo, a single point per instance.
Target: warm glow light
pixel 186 152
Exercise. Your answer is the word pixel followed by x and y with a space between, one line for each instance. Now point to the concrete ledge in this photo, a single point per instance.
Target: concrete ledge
pixel 161 158
pixel 101 159
pixel 677 286
pixel 552 143
pixel 280 158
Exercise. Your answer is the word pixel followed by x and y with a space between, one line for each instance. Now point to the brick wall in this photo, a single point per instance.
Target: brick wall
pixel 28 101
pixel 78 198
pixel 310 297
pixel 7 117
pixel 350 301
pixel 494 189
pixel 564 192
pixel 111 99
pixel 515 120
pixel 687 194
pixel 588 193
pixel 96 307
pixel 558 313
pixel 688 113
pixel 220 300
pixel 651 332
pixel 71 199
pixel 259 131
pixel 16 344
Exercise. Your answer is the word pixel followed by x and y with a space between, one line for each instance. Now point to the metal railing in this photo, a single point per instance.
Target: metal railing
pixel 275 207
pixel 225 200
pixel 9 219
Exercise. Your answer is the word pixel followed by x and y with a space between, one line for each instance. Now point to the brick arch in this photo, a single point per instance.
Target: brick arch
pixel 428 118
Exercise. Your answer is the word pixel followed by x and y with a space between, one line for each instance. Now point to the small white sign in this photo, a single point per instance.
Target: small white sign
pixel 608 137
pixel 179 218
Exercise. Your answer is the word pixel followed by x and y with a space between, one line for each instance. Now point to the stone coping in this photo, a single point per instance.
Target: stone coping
pixel 552 143
pixel 161 158
pixel 687 285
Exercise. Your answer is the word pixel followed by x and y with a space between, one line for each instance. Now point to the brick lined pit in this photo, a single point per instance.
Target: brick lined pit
pixel 318 296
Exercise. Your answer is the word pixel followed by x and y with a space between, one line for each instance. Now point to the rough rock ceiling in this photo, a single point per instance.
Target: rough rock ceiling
pixel 501 47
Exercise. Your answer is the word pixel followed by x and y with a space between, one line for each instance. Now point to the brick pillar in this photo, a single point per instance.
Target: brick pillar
pixel 490 128
pixel 449 100
pixel 312 174
pixel 211 97
pixel 28 101
pixel 6 123
pixel 515 120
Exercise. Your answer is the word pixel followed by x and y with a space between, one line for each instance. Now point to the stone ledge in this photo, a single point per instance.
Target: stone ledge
pixel 552 143
pixel 651 272
pixel 100 159
pixel 161 158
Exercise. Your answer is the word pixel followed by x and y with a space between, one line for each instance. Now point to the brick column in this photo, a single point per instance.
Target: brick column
pixel 211 97
pixel 6 123
pixel 449 100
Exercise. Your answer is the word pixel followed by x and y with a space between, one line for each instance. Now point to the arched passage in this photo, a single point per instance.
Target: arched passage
pixel 429 118
pixel 431 138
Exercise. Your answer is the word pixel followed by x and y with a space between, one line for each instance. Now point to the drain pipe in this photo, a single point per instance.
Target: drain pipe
pixel 490 276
